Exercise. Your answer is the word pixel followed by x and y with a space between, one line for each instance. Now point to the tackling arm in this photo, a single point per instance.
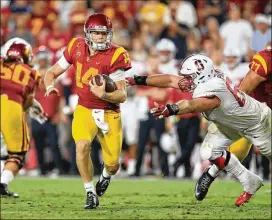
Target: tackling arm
pixel 198 105
pixel 162 80
pixel 186 106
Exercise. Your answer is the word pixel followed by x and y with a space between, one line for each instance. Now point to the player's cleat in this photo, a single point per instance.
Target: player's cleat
pixel 5 192
pixel 102 185
pixel 243 198
pixel 246 196
pixel 91 201
pixel 203 184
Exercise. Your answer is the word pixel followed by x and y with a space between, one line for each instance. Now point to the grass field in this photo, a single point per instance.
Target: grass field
pixel 131 199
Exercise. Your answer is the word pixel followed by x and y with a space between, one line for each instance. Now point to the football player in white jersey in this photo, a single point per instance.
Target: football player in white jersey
pixel 232 66
pixel 235 114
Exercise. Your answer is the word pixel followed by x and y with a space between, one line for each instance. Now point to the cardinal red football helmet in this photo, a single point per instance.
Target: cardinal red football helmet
pixel 20 51
pixel 98 23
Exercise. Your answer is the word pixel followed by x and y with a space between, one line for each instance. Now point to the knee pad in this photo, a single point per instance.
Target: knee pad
pixel 206 150
pixel 15 159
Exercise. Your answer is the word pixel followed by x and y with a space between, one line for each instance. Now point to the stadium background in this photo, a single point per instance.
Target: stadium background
pixel 193 26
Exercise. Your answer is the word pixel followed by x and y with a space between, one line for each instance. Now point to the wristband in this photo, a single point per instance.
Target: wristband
pixel 140 80
pixel 104 96
pixel 173 109
pixel 49 87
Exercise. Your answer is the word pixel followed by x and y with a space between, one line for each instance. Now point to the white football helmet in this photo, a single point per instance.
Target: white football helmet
pixel 195 69
pixel 167 49
pixel 232 57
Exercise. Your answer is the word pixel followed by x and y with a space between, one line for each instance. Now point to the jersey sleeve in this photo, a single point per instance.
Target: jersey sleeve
pixel 120 60
pixel 209 89
pixel 261 63
pixel 69 50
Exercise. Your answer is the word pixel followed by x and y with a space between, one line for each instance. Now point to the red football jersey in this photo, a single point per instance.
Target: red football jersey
pixel 261 64
pixel 18 80
pixel 104 62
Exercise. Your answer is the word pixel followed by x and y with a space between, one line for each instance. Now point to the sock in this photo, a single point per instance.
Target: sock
pixel 245 177
pixel 105 174
pixel 214 171
pixel 89 187
pixel 6 177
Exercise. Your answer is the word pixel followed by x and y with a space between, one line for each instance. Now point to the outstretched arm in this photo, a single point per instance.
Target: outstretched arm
pixel 162 80
pixel 186 106
pixel 250 82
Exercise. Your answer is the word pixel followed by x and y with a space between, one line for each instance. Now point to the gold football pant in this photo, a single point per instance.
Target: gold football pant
pixel 240 148
pixel 13 126
pixel 84 128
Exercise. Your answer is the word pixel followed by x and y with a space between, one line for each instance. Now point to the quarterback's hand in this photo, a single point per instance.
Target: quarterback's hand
pixel 51 90
pixel 97 90
pixel 163 111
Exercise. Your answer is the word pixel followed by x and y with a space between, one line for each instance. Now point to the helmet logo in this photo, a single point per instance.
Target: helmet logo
pixel 199 65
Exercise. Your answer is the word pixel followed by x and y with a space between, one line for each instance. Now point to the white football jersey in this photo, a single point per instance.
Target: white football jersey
pixel 237 74
pixel 238 114
pixel 169 68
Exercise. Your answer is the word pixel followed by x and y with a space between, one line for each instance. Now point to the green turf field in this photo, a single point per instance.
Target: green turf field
pixel 131 199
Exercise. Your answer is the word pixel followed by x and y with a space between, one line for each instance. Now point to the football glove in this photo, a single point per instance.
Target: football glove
pixel 36 112
pixel 136 80
pixel 163 111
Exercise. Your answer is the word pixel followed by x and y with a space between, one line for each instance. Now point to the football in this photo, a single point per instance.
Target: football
pixel 110 84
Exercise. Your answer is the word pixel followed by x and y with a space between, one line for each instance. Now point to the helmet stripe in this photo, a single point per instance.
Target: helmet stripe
pixel 116 54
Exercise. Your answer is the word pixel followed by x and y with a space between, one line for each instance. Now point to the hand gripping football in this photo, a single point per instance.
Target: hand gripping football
pixel 110 84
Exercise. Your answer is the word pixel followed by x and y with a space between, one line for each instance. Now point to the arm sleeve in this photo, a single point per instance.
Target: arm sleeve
pixel 63 63
pixel 210 89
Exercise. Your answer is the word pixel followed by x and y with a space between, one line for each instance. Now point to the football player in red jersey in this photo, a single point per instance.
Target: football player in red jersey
pixel 259 81
pixel 97 112
pixel 18 82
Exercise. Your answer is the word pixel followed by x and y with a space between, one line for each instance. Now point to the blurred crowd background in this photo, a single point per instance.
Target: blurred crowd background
pixel 158 36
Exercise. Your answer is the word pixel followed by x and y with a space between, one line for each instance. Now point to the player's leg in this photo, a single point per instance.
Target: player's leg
pixel 263 136
pixel 240 147
pixel 111 144
pixel 84 130
pixel 14 129
pixel 213 149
